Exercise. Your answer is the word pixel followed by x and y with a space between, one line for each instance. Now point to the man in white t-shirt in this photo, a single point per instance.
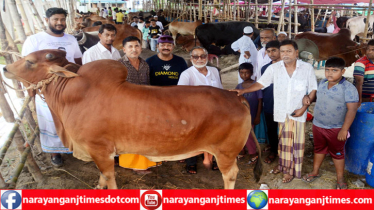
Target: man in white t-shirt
pixel 159 23
pixel 266 35
pixel 247 49
pixel 114 13
pixel 53 38
pixel 104 48
pixel 197 75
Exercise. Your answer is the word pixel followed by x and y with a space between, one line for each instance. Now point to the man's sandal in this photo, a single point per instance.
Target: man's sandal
pixel 310 178
pixel 192 169
pixel 341 186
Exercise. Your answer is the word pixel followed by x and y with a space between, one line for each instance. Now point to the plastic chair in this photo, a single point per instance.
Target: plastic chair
pixel 371 98
pixel 211 59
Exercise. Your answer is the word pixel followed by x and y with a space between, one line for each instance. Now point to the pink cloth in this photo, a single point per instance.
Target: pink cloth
pixel 251 145
pixel 337 29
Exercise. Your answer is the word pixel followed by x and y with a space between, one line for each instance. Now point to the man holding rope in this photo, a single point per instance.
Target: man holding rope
pixel 53 38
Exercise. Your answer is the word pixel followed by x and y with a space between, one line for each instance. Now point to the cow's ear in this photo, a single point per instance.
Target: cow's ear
pixel 62 72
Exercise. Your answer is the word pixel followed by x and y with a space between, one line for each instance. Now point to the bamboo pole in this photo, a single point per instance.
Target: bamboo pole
pixel 190 12
pixel 247 10
pixel 237 10
pixel 26 159
pixel 318 14
pixel 312 24
pixel 205 13
pixel 16 20
pixel 367 19
pixel 3 185
pixel 256 16
pixel 295 16
pixel 224 10
pixel 270 11
pixel 24 18
pixel 289 20
pixel 281 17
pixel 200 10
pixel 8 142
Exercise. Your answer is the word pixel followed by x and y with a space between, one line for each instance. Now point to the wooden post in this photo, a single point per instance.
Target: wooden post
pixel 256 16
pixel 289 20
pixel 16 20
pixel 312 24
pixel 296 20
pixel 367 20
pixel 190 12
pixel 281 17
pixel 238 10
pixel 24 17
pixel 205 13
pixel 247 9
pixel 270 10
pixel 224 11
pixel 36 14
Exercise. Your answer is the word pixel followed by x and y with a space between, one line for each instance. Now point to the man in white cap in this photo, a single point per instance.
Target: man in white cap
pixel 158 23
pixel 246 47
pixel 282 36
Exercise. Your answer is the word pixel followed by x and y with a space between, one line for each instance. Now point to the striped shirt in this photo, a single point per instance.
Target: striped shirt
pixel 364 67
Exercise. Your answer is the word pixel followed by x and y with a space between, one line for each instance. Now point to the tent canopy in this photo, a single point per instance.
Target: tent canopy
pixel 335 1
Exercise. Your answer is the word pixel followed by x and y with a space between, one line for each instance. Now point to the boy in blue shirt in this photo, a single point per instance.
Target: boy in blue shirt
pixel 335 110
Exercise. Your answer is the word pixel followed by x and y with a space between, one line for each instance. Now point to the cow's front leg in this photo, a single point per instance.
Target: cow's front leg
pixel 106 166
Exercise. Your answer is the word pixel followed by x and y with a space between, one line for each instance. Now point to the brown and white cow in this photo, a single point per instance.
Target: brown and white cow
pixel 99 115
pixel 357 25
pixel 183 28
pixel 339 45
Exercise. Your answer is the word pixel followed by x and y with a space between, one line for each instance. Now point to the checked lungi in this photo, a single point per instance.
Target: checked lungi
pixel 291 147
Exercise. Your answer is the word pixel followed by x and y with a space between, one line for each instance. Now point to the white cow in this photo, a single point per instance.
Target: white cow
pixel 357 25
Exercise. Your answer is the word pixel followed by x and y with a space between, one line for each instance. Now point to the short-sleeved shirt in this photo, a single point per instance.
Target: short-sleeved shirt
pixel 268 94
pixel 244 44
pixel 140 76
pixel 44 41
pixel 165 73
pixel 262 60
pixel 145 32
pixel 331 105
pixel 114 15
pixel 193 77
pixel 289 92
pixel 252 99
pixel 99 52
pixel 119 17
pixel 153 31
pixel 364 67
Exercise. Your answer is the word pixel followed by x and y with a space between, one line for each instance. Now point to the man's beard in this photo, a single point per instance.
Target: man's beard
pixel 199 66
pixel 55 31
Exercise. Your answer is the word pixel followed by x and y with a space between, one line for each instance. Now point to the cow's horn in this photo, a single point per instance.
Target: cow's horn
pixel 83 40
pixel 49 56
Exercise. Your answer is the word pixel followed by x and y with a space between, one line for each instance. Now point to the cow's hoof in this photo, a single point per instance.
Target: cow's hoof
pixel 98 187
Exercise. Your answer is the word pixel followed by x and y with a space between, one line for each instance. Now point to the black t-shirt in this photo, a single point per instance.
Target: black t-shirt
pixel 153 31
pixel 165 73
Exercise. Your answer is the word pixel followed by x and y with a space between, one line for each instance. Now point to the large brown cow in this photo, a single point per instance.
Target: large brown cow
pixel 123 31
pixel 339 45
pixel 99 115
pixel 88 22
pixel 183 28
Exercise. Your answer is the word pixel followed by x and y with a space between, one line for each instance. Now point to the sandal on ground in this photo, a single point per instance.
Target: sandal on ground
pixel 142 172
pixel 182 161
pixel 192 169
pixel 287 181
pixel 239 157
pixel 341 186
pixel 267 148
pixel 310 177
pixel 215 166
pixel 253 160
pixel 269 159
pixel 275 170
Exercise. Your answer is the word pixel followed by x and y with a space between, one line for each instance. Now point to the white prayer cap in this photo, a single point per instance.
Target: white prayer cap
pixel 248 30
pixel 282 32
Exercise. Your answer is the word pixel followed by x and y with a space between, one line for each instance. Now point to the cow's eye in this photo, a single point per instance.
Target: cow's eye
pixel 29 63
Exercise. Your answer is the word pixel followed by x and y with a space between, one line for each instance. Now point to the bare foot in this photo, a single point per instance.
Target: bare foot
pixel 287 178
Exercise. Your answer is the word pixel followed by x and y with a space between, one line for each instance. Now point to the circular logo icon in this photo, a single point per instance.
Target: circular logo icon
pixel 11 199
pixel 257 199
pixel 151 200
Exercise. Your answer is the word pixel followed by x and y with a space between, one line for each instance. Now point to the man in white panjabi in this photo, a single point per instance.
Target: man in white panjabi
pixel 197 75
pixel 53 38
pixel 104 48
pixel 246 47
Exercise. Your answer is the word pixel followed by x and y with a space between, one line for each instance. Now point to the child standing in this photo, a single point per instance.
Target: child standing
pixel 255 103
pixel 145 32
pixel 335 110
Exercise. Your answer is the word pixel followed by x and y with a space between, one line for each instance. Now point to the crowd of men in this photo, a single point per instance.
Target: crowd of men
pixel 273 80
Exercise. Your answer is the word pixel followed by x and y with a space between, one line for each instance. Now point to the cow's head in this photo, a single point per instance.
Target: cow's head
pixel 38 66
pixel 359 49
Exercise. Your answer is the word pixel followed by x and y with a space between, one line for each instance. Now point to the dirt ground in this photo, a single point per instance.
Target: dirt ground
pixel 76 174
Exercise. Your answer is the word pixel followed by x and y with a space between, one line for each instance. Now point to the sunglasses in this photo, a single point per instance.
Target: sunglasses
pixel 196 57
pixel 166 39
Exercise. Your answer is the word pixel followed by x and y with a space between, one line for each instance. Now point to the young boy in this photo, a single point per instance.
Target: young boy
pixel 255 103
pixel 154 33
pixel 145 32
pixel 335 110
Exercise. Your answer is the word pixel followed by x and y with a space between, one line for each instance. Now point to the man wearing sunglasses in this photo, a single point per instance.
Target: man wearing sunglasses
pixel 165 68
pixel 200 75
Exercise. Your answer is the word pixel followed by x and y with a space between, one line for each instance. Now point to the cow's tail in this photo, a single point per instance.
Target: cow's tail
pixel 257 171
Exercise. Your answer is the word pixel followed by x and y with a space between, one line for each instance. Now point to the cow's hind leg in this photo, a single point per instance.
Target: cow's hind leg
pixel 229 170
pixel 107 175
